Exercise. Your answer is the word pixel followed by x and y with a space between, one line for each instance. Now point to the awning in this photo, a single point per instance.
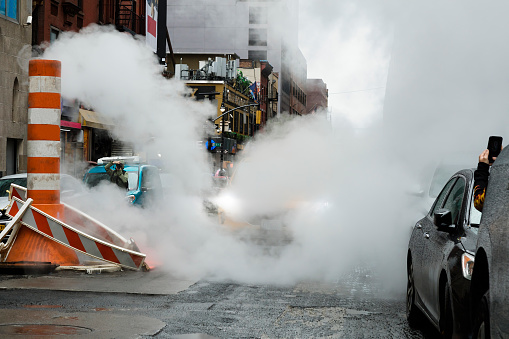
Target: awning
pixel 94 119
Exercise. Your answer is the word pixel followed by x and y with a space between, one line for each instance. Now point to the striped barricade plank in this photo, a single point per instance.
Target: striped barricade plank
pixel 17 191
pixel 66 235
pixel 95 228
pixel 14 207
pixel 21 208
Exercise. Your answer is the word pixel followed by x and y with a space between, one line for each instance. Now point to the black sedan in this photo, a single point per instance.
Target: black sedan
pixel 440 259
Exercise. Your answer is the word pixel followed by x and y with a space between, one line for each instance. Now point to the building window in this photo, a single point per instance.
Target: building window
pixel 257 55
pixel 257 37
pixel 54 9
pixel 15 101
pixel 9 8
pixel 79 22
pixel 258 15
pixel 11 156
pixel 53 35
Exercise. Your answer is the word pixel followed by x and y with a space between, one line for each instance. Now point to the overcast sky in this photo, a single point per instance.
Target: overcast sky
pixel 434 71
pixel 347 44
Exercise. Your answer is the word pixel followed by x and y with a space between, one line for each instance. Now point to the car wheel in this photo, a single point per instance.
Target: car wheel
pixel 446 319
pixel 412 313
pixel 482 318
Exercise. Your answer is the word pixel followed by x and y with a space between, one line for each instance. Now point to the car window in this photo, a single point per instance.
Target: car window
pixel 132 180
pixel 93 179
pixel 455 199
pixel 150 178
pixel 5 185
pixel 69 184
pixel 475 215
pixel 439 201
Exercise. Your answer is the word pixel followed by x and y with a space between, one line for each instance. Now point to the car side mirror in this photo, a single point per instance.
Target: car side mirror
pixel 443 220
pixel 145 189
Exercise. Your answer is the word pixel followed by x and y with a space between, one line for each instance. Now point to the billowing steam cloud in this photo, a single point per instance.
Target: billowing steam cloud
pixel 345 191
pixel 119 77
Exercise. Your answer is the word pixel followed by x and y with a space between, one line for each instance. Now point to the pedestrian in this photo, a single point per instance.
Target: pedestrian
pixel 117 176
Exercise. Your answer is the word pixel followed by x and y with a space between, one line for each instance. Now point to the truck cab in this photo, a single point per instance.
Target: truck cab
pixel 144 182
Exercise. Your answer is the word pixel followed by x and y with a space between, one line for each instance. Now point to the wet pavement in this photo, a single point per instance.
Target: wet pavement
pixel 156 304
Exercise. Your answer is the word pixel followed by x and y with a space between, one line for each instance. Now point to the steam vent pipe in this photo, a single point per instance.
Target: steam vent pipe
pixel 43 164
pixel 43 136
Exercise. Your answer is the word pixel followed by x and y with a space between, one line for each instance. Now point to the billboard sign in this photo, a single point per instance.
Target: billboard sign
pixel 151 24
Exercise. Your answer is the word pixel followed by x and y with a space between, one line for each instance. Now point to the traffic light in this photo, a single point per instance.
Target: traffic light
pixel 258 117
pixel 213 145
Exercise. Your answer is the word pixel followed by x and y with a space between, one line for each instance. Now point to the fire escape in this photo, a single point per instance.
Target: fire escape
pixel 126 19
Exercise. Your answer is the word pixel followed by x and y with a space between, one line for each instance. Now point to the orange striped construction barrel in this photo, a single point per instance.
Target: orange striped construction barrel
pixel 43 135
pixel 43 165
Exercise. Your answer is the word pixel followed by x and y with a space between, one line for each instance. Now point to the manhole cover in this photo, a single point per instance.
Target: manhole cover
pixel 42 329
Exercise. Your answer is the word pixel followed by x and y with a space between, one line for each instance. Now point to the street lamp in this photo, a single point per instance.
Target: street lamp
pixel 222 109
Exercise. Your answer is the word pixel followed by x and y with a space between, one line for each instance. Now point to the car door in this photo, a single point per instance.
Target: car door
pixel 150 185
pixel 440 243
pixel 424 259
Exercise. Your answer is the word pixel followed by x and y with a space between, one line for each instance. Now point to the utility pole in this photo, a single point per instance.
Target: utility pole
pixel 222 109
pixel 161 30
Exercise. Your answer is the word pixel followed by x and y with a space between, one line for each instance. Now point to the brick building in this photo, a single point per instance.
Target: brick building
pixel 317 96
pixel 54 16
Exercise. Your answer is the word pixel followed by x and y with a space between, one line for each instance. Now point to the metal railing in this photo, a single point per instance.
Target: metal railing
pixel 126 19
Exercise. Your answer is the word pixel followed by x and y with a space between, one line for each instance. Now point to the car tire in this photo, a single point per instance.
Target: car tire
pixel 412 313
pixel 482 318
pixel 446 317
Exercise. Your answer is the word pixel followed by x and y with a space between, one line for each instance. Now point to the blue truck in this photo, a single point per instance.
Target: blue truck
pixel 144 182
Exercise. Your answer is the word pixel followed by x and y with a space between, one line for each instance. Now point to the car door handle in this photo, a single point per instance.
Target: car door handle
pixel 419 226
pixel 426 235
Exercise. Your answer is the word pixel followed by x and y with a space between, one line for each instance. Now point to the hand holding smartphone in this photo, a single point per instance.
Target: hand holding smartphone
pixel 494 147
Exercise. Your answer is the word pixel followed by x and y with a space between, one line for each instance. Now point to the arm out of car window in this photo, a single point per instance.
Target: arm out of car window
pixel 481 176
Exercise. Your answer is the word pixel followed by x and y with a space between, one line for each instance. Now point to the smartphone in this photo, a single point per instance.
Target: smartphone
pixel 494 146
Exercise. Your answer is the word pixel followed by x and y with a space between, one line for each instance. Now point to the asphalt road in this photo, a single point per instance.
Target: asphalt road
pixel 155 304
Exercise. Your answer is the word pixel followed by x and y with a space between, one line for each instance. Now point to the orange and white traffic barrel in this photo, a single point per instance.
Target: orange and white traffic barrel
pixel 43 135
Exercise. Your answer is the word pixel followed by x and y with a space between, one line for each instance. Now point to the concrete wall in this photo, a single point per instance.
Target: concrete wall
pixel 15 51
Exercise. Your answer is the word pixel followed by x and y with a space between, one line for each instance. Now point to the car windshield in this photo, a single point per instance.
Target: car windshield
pixel 5 185
pixel 93 179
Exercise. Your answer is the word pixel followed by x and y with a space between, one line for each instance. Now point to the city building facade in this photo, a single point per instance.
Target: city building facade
pixel 253 29
pixel 55 16
pixel 84 134
pixel 15 52
pixel 317 96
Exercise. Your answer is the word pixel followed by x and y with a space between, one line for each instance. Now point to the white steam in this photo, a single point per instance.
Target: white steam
pixel 345 192
pixel 119 77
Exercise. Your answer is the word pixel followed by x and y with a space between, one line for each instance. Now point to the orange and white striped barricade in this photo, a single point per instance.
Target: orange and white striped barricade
pixel 91 226
pixel 17 191
pixel 13 226
pixel 55 230
pixel 79 220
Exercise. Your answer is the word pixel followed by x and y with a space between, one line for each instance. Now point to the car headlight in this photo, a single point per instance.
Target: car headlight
pixel 322 205
pixel 228 203
pixel 130 198
pixel 467 265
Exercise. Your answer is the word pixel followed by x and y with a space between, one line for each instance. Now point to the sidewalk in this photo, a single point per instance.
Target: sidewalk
pixel 152 282
pixel 53 319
